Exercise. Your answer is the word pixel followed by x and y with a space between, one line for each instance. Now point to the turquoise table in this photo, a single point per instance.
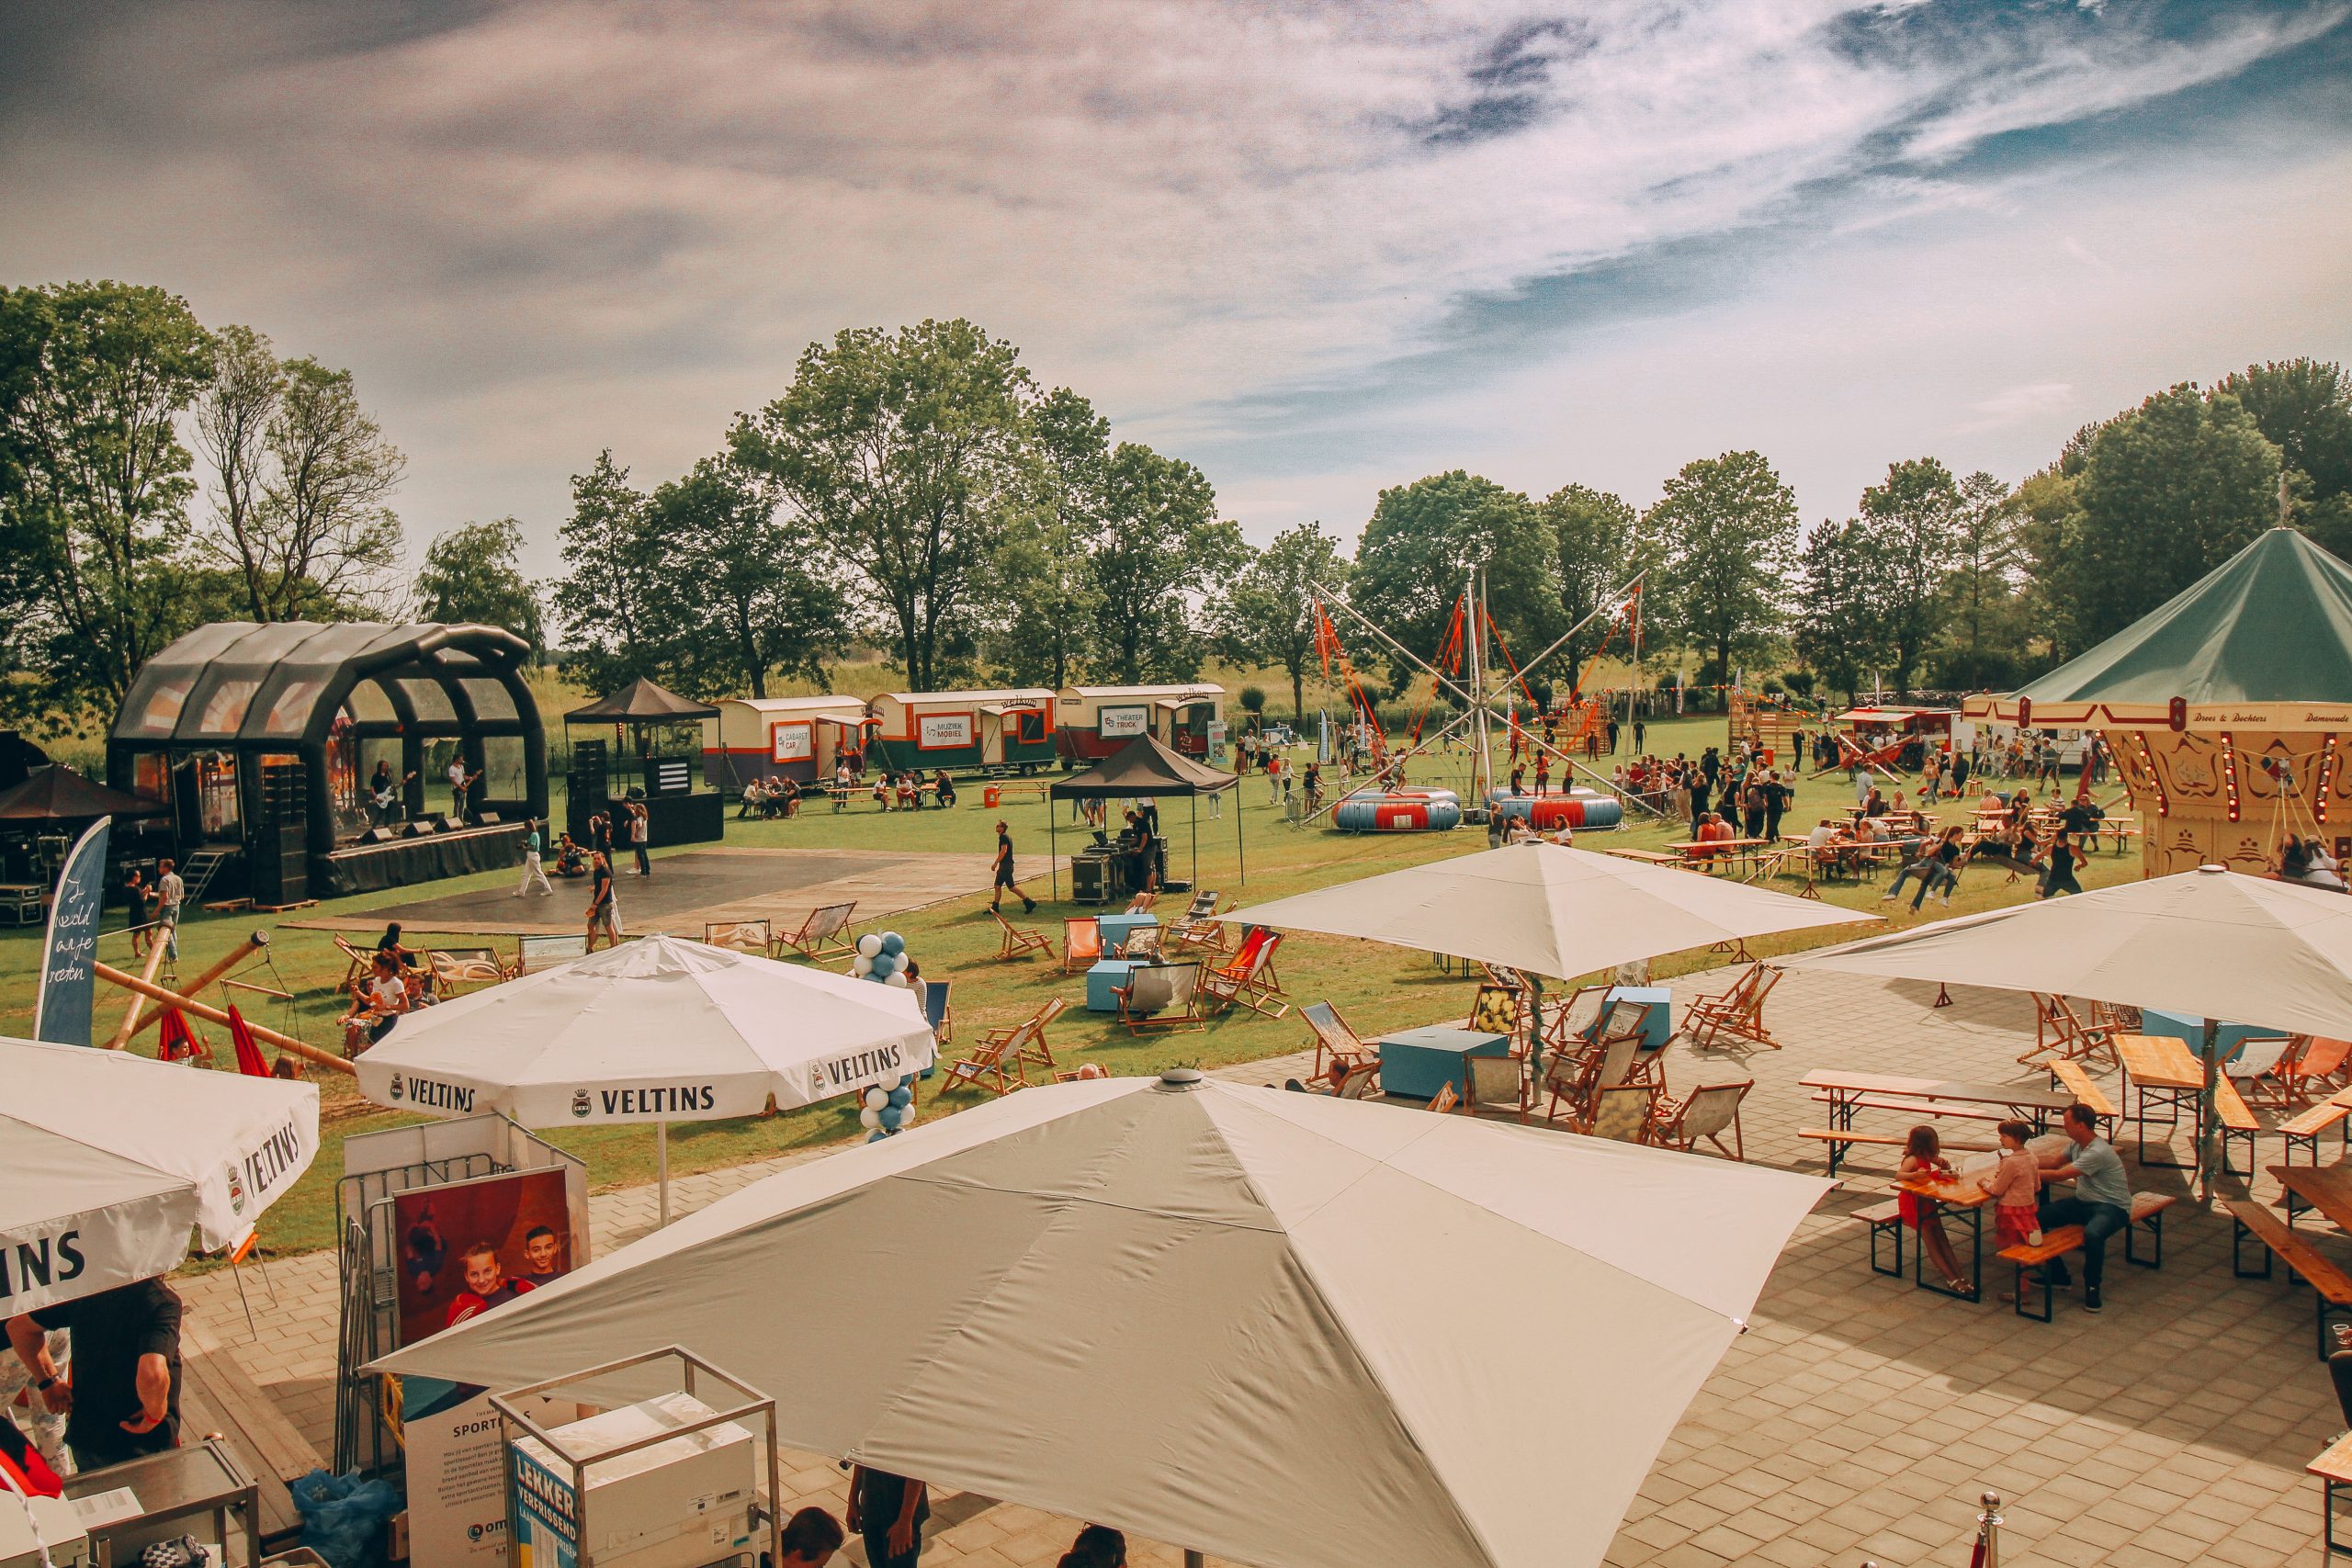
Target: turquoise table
pixel 1417 1063
pixel 1114 929
pixel 1105 977
pixel 1657 1023
pixel 2191 1028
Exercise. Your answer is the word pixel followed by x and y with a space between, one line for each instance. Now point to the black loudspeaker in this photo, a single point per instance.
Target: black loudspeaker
pixel 422 827
pixel 485 818
pixel 280 873
pixel 379 836
pixel 448 824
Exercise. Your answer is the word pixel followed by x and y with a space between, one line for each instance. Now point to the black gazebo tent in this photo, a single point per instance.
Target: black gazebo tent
pixel 674 813
pixel 57 794
pixel 1145 767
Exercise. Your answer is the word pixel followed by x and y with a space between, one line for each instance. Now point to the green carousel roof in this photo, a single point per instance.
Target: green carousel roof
pixel 2273 624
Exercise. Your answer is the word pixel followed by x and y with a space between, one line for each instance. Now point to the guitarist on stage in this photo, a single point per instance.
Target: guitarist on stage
pixel 384 794
pixel 460 782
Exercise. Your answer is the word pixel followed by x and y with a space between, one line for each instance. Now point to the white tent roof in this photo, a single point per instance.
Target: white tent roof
pixel 1546 909
pixel 113 1158
pixel 1282 1328
pixel 659 1029
pixel 2208 942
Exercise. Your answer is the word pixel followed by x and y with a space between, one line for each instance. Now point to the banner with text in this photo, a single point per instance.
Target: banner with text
pixel 61 1013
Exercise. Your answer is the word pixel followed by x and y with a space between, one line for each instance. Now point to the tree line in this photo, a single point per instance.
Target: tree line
pixel 917 489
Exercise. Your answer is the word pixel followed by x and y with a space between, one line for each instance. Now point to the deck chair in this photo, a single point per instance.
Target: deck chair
pixel 1738 1012
pixel 1569 1027
pixel 455 966
pixel 1162 996
pixel 1202 906
pixel 2260 1070
pixel 1033 1051
pixel 1445 1101
pixel 2058 1029
pixel 1141 904
pixel 1142 944
pixel 1240 979
pixel 1576 1082
pixel 360 960
pixel 1081 943
pixel 1334 1041
pixel 1625 1112
pixel 741 936
pixel 1496 1009
pixel 1497 1084
pixel 995 1066
pixel 2320 1065
pixel 937 1010
pixel 1707 1112
pixel 554 947
pixel 822 935
pixel 1203 929
pixel 1019 940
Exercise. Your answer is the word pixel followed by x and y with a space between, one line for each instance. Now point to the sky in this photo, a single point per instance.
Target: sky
pixel 1316 249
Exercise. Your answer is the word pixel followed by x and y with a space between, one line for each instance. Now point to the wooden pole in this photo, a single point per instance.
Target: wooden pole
pixel 108 972
pixel 237 955
pixel 130 1014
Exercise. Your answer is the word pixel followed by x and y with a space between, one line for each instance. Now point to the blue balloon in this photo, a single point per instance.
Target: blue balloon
pixel 885 966
pixel 893 943
pixel 876 1136
pixel 893 1117
pixel 906 1080
pixel 902 1098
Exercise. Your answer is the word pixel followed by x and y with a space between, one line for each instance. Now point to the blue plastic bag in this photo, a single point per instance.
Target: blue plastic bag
pixel 343 1517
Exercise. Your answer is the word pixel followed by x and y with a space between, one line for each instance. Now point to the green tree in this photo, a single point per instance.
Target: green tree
pixel 2168 492
pixel 737 599
pixel 1040 587
pixel 1727 527
pixel 1419 547
pixel 474 573
pixel 1841 627
pixel 1602 549
pixel 609 598
pixel 907 453
pixel 1264 619
pixel 94 484
pixel 1913 513
pixel 1162 552
pixel 2304 407
pixel 1981 648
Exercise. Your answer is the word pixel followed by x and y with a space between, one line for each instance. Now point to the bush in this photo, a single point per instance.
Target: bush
pixel 1253 699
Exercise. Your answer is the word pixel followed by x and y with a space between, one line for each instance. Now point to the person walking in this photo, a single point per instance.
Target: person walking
pixel 136 896
pixel 1777 797
pixel 1641 736
pixel 2063 859
pixel 640 826
pixel 1004 882
pixel 532 870
pixel 170 893
pixel 603 907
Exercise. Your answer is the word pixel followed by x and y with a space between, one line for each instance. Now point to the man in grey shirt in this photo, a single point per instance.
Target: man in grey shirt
pixel 2101 1203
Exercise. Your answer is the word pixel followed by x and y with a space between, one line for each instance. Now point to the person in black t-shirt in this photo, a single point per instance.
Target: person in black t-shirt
pixel 124 1400
pixel 888 1511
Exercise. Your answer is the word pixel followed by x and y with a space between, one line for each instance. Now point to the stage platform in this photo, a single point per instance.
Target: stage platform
pixel 403 863
pixel 687 890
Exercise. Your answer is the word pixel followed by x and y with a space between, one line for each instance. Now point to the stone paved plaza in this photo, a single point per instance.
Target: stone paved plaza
pixel 1857 1419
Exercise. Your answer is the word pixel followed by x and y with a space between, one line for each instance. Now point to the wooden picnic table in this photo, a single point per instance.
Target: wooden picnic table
pixel 1967 1201
pixel 1848 1092
pixel 2327 1188
pixel 1741 853
pixel 2164 1071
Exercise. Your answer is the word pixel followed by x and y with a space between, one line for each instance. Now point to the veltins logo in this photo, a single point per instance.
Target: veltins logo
pixel 396 1086
pixel 580 1102
pixel 236 1191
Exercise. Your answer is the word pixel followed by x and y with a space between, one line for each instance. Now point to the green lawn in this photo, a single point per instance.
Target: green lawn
pixel 1377 989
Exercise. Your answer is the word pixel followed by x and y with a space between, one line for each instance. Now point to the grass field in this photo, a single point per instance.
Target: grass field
pixel 1378 988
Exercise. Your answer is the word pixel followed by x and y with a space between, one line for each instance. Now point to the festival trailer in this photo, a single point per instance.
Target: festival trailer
pixel 798 738
pixel 1892 738
pixel 926 730
pixel 1098 720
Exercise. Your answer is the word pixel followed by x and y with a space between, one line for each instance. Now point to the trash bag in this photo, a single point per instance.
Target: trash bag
pixel 343 1517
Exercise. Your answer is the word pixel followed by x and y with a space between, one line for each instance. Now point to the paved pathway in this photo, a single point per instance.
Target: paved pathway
pixel 1858 1419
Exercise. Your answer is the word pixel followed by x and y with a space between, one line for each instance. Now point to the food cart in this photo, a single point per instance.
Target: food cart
pixel 798 738
pixel 1097 720
pixel 963 731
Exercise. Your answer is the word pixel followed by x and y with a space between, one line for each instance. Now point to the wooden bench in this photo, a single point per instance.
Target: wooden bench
pixel 1920 1107
pixel 2148 1214
pixel 2303 1128
pixel 2237 1121
pixel 2055 1245
pixel 2333 1287
pixel 2069 1074
pixel 1839 1140
pixel 1884 1220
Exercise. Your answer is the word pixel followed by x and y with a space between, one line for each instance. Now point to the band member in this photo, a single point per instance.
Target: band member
pixel 460 782
pixel 487 1285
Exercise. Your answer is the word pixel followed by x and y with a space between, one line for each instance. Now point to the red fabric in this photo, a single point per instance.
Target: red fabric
pixel 249 1060
pixel 174 1042
pixel 2013 1222
pixel 24 1465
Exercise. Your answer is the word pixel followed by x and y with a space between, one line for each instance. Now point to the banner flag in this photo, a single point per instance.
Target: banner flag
pixel 61 1012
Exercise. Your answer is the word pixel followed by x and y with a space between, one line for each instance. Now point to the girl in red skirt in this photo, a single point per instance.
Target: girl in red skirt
pixel 1923 1156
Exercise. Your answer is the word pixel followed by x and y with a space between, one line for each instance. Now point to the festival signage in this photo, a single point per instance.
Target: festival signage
pixel 61 1010
pixel 791 740
pixel 943 731
pixel 1122 723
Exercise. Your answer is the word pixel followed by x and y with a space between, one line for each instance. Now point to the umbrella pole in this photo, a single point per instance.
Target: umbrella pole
pixel 2207 1128
pixel 661 1164
pixel 1194 1559
pixel 1196 838
pixel 1238 848
pixel 1053 853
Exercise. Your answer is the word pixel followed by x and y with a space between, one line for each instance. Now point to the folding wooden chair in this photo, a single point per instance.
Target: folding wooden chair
pixel 2319 1065
pixel 1142 945
pixel 1569 1027
pixel 995 1066
pixel 2058 1029
pixel 1334 1041
pixel 1033 1050
pixel 1738 1012
pixel 1707 1113
pixel 360 960
pixel 1242 979
pixel 1081 943
pixel 1019 940
pixel 1201 929
pixel 1497 1084
pixel 741 936
pixel 824 934
pixel 1577 1082
pixel 2259 1069
pixel 1162 996
pixel 1445 1102
pixel 1496 1009
pixel 1141 903
pixel 455 966
pixel 554 947
pixel 937 1010
pixel 1625 1112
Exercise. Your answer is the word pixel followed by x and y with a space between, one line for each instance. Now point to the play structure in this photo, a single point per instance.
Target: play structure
pixel 1548 813
pixel 1766 721
pixel 1092 722
pixel 2227 709
pixel 1398 811
pixel 801 738
pixel 263 742
pixel 1011 731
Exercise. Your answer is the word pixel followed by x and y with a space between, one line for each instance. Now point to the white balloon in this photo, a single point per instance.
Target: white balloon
pixel 869 1120
pixel 897 979
pixel 877 1098
pixel 861 967
pixel 869 945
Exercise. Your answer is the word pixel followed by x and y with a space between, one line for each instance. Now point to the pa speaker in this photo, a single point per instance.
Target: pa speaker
pixel 377 836
pixel 419 829
pixel 448 824
pixel 485 818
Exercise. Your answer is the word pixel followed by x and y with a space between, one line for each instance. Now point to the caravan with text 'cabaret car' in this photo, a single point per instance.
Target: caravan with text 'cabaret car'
pixel 798 738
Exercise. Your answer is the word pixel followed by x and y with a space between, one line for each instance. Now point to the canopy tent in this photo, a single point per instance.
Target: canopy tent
pixel 58 794
pixel 641 702
pixel 1285 1391
pixel 1144 767
pixel 2208 942
pixel 1546 909
pixel 656 1030
pixel 115 1159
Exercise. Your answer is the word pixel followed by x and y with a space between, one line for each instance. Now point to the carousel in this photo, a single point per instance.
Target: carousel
pixel 2227 710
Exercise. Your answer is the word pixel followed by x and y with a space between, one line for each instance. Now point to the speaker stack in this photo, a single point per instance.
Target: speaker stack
pixel 281 839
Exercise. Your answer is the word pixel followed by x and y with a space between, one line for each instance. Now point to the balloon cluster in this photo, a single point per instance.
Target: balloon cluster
pixel 888 1110
pixel 883 959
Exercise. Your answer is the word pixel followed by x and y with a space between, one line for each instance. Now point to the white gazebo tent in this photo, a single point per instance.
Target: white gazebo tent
pixel 1283 1328
pixel 113 1159
pixel 2208 942
pixel 656 1030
